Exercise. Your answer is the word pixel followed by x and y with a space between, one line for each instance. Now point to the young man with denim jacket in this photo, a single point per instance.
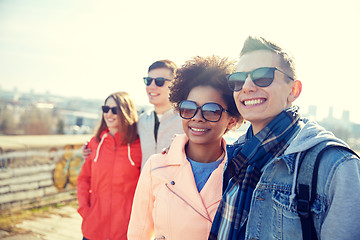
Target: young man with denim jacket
pixel 259 198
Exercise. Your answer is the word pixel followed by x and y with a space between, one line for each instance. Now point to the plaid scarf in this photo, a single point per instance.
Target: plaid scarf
pixel 244 170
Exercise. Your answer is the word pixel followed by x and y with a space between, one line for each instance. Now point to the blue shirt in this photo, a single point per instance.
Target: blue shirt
pixel 202 171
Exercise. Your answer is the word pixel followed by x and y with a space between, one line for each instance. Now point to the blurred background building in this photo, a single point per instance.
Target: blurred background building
pixel 44 114
pixel 33 113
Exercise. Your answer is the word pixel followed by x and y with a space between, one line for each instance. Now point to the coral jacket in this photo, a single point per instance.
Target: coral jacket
pixel 106 186
pixel 167 204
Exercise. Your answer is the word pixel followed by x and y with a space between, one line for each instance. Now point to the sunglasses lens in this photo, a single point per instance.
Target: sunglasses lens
pixel 147 81
pixel 211 112
pixel 159 82
pixel 236 80
pixel 105 109
pixel 187 109
pixel 114 110
pixel 263 77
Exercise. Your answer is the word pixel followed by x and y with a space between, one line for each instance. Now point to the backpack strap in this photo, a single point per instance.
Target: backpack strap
pixel 307 184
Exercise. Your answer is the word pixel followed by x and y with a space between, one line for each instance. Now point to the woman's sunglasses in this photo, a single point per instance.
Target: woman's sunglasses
pixel 106 109
pixel 210 111
pixel 158 81
pixel 261 77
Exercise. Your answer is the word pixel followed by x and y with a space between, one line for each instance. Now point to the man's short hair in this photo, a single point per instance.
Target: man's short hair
pixel 164 64
pixel 253 43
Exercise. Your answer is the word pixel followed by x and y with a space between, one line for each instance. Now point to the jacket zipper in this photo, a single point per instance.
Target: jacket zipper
pixel 207 218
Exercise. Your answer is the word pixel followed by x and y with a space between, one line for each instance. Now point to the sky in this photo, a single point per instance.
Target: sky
pixel 89 49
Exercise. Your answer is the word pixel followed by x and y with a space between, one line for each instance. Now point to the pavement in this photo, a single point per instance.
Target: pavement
pixel 63 224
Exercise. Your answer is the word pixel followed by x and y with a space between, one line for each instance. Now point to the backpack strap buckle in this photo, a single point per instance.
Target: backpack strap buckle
pixel 303 208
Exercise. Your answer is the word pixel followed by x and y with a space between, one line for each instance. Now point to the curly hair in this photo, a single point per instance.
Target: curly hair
pixel 204 71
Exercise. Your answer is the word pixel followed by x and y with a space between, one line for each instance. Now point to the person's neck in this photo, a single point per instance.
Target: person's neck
pixel 256 130
pixel 113 131
pixel 162 109
pixel 203 153
pixel 258 126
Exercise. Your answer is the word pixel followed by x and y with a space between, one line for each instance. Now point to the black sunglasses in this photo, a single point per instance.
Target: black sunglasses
pixel 106 109
pixel 261 77
pixel 159 81
pixel 210 111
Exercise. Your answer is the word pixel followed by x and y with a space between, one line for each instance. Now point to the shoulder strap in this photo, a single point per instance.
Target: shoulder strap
pixel 307 183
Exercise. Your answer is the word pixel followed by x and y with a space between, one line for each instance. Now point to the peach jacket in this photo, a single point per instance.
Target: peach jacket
pixel 167 204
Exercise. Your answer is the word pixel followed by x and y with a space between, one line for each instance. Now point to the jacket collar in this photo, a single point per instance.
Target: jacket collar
pixel 176 154
pixel 178 143
pixel 183 183
pixel 166 115
pixel 115 138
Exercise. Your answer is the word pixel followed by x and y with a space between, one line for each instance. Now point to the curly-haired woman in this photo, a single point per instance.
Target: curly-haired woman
pixel 178 192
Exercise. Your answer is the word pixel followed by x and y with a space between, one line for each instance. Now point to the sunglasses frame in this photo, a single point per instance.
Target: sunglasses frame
pixel 159 81
pixel 201 110
pixel 106 109
pixel 252 79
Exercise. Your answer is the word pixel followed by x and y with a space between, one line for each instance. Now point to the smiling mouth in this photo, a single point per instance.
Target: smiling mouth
pixel 253 102
pixel 199 129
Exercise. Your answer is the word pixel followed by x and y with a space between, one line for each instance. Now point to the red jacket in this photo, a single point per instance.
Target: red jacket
pixel 106 186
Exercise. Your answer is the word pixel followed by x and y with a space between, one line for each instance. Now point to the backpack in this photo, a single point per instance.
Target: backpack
pixel 307 182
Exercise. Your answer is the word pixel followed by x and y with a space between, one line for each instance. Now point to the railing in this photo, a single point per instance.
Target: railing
pixel 38 170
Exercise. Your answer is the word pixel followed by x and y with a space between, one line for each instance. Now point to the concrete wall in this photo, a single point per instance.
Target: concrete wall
pixel 30 187
pixel 39 175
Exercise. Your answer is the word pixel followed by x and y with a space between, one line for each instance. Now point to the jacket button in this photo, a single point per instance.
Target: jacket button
pixel 172 183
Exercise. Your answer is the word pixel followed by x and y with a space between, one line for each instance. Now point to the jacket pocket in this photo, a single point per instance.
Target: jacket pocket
pixel 287 223
pixel 83 211
pixel 92 208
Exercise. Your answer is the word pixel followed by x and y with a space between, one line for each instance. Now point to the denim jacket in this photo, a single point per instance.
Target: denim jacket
pixel 336 210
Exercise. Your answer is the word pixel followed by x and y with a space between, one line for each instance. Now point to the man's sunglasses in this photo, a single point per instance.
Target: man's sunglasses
pixel 210 111
pixel 106 109
pixel 261 77
pixel 158 81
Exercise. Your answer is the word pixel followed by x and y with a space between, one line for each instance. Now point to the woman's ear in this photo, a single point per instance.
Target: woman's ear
pixel 232 123
pixel 295 91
